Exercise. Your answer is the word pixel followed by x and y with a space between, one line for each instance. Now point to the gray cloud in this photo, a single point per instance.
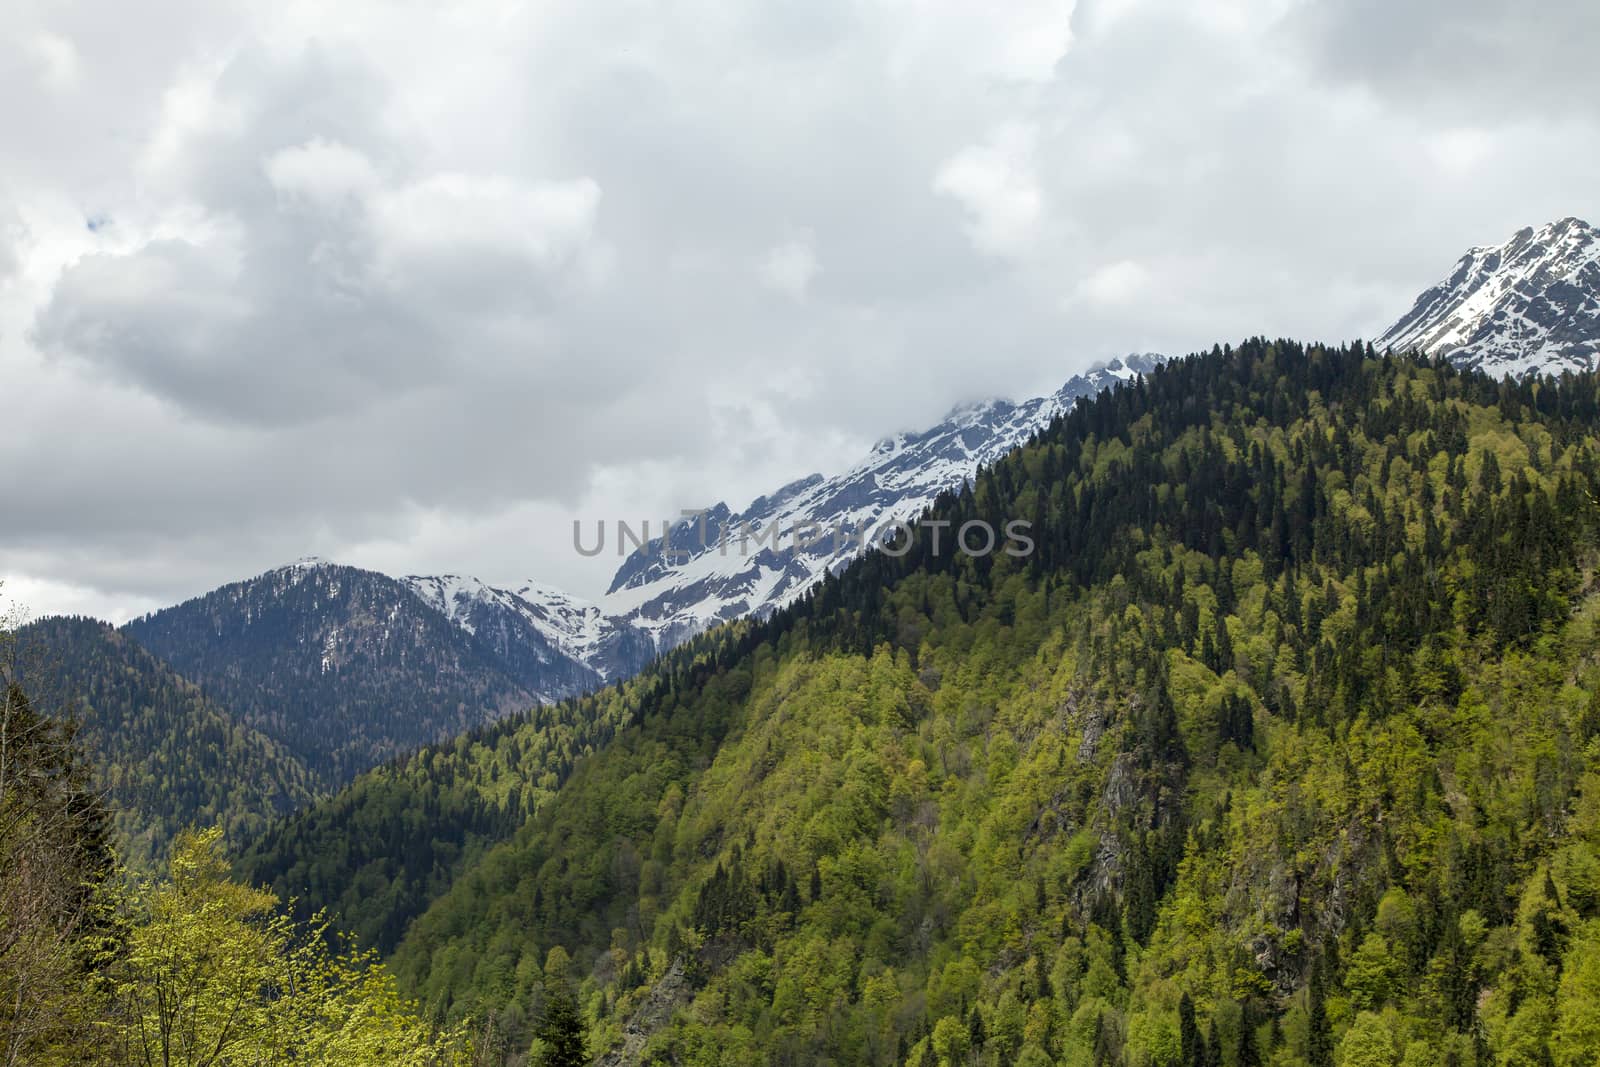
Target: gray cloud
pixel 10 238
pixel 1477 60
pixel 315 285
pixel 414 286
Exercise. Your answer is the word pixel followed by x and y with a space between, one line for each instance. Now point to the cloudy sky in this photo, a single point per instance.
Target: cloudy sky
pixel 412 284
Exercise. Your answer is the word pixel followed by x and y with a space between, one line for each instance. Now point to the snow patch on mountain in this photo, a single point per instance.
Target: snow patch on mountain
pixel 568 626
pixel 723 564
pixel 1530 305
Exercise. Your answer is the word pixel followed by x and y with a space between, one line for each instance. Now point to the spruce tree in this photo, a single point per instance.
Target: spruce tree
pixel 560 1028
pixel 1191 1045
pixel 1319 1033
pixel 1249 1050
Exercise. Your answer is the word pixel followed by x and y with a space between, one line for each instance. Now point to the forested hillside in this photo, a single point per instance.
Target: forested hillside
pixel 166 757
pixel 193 969
pixel 1279 749
pixel 379 851
pixel 386 846
pixel 345 667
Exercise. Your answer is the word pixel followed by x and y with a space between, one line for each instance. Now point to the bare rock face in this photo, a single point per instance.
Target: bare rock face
pixel 650 1017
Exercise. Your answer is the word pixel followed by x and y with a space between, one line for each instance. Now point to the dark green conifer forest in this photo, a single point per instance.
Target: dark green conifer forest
pixel 167 757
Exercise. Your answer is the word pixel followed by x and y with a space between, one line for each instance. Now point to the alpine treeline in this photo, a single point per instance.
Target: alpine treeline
pixel 1280 747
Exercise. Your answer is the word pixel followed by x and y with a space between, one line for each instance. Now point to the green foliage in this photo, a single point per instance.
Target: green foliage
pixel 1368 1043
pixel 559 1037
pixel 382 849
pixel 1291 719
pixel 195 971
pixel 55 870
pixel 210 972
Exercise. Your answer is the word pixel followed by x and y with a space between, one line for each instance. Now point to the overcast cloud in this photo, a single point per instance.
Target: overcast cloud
pixel 412 285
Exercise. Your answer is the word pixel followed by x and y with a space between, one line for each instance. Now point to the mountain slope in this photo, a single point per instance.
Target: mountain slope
pixel 166 757
pixel 518 632
pixel 727 565
pixel 383 848
pixel 552 623
pixel 316 857
pixel 1280 743
pixel 1531 305
pixel 348 668
pixel 711 570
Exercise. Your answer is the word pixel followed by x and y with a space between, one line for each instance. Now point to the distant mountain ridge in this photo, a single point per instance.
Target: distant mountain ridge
pixel 336 669
pixel 389 663
pixel 1528 306
pixel 704 583
pixel 348 667
pixel 709 571
pixel 303 677
pixel 560 625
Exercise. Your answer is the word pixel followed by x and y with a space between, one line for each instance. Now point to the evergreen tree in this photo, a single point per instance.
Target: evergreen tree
pixel 561 1031
pixel 1319 1032
pixel 1191 1043
pixel 1249 1048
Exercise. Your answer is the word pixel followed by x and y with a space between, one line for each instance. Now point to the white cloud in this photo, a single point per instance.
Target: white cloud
pixel 1019 41
pixel 324 173
pixel 57 59
pixel 451 214
pixel 1100 16
pixel 191 112
pixel 1460 150
pixel 1032 38
pixel 789 267
pixel 411 284
pixel 11 238
pixel 21 599
pixel 1115 283
pixel 996 183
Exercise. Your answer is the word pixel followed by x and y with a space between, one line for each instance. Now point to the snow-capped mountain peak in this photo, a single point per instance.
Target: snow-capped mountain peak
pixel 557 624
pixel 305 563
pixel 724 564
pixel 457 596
pixel 1530 305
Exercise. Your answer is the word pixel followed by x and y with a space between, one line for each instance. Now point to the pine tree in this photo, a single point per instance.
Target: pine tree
pixel 560 1030
pixel 1224 648
pixel 1191 1044
pixel 1319 1033
pixel 1249 1051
